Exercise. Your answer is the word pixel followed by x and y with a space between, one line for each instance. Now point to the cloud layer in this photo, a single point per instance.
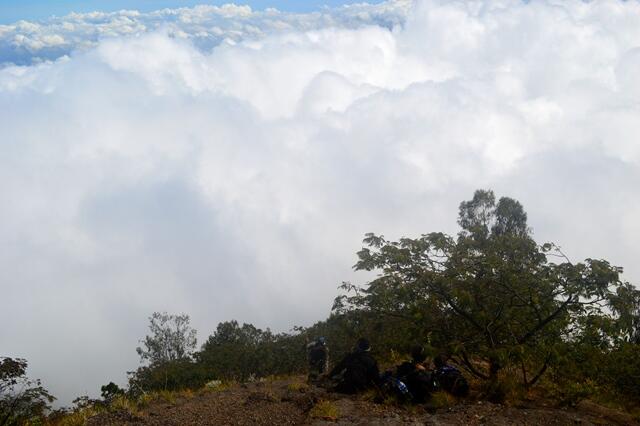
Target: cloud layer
pixel 204 26
pixel 148 164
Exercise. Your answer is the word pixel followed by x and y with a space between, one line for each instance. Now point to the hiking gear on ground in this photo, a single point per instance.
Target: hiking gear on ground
pixel 451 380
pixel 393 386
pixel 420 382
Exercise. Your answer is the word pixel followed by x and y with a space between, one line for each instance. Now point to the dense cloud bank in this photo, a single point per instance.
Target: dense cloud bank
pixel 152 170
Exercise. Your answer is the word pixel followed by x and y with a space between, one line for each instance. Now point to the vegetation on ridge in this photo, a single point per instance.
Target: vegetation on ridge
pixel 512 312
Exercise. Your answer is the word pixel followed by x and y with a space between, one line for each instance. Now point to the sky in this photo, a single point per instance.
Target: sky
pixel 226 162
pixel 15 10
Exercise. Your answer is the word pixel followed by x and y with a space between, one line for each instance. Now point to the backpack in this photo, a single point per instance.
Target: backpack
pixel 395 386
pixel 422 384
pixel 451 380
pixel 317 354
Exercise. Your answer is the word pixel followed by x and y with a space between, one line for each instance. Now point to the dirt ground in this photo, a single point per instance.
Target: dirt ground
pixel 289 402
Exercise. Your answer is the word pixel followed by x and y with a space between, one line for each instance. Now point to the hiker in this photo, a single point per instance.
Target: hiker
pixel 357 371
pixel 419 381
pixel 318 356
pixel 449 378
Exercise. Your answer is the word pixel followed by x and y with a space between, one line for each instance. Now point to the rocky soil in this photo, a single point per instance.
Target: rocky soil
pixel 290 402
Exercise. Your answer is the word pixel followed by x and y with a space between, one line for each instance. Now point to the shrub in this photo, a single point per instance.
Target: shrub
pixel 325 410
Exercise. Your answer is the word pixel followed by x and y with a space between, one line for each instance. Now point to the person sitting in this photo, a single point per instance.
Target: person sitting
pixel 419 381
pixel 357 371
pixel 449 378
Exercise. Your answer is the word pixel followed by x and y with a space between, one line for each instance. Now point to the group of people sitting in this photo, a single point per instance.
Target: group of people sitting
pixel 412 380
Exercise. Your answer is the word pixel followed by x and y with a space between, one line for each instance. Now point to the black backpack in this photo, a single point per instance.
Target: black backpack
pixel 451 380
pixel 317 354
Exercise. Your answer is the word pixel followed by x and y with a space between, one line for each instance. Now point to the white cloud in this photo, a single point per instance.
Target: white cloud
pixel 25 43
pixel 148 171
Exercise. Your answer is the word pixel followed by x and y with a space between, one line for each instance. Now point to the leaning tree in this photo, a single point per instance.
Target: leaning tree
pixel 491 296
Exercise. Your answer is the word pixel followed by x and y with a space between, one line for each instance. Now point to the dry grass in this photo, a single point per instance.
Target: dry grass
pixel 79 417
pixel 442 399
pixel 325 410
pixel 297 387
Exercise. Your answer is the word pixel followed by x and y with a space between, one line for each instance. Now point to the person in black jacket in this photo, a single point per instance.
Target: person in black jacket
pixel 318 356
pixel 416 377
pixel 357 371
pixel 450 378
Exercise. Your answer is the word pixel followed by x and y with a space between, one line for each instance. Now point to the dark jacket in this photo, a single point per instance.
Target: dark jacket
pixel 405 369
pixel 358 370
pixel 318 358
pixel 420 382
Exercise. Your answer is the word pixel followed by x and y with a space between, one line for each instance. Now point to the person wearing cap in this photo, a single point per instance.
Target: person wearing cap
pixel 357 371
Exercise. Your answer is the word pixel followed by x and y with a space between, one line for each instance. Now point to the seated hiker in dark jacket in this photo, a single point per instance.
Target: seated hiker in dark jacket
pixel 357 371
pixel 413 373
pixel 449 378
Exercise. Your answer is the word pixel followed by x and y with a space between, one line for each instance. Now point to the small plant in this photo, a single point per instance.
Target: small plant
pixel 213 384
pixel 78 418
pixel 167 396
pixel 145 399
pixel 122 403
pixel 441 400
pixel 216 386
pixel 325 410
pixel 298 387
pixel 187 393
pixel 571 393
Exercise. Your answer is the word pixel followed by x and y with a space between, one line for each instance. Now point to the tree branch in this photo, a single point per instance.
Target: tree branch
pixel 471 368
pixel 542 370
pixel 546 321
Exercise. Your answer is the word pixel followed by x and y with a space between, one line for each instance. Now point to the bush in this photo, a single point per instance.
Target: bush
pixel 174 375
pixel 325 410
pixel 623 371
pixel 21 399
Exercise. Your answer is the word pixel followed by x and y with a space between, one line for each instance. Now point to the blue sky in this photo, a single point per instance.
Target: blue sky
pixel 14 10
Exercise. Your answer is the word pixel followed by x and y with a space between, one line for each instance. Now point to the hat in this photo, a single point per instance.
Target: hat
pixel 417 353
pixel 363 345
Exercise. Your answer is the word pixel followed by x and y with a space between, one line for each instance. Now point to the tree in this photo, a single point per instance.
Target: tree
pixel 21 398
pixel 492 296
pixel 171 339
pixel 110 391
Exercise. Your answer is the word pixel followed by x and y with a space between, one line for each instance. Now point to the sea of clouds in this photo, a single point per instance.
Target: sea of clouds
pixel 226 163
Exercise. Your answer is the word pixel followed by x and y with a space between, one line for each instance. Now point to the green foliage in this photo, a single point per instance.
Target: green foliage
pixel 491 296
pixel 21 399
pixel 172 375
pixel 623 372
pixel 237 352
pixel 570 393
pixel 110 391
